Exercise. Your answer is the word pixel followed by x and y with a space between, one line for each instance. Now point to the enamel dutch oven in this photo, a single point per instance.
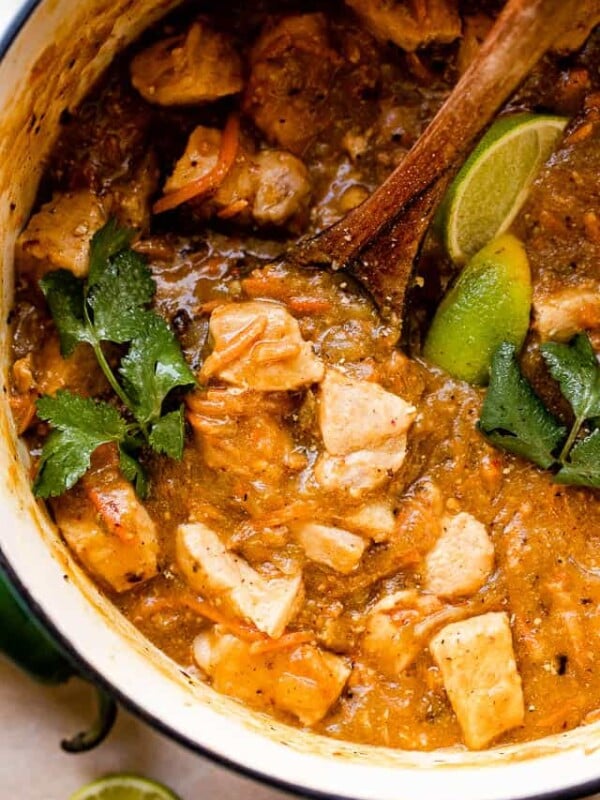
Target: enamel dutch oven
pixel 51 52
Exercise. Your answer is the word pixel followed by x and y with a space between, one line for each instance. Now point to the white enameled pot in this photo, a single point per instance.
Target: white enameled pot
pixel 51 51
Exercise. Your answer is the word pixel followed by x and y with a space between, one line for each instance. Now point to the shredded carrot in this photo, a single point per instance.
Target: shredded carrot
pixel 272 352
pixel 213 179
pixel 266 286
pixel 308 305
pixel 209 306
pixel 285 642
pixel 277 288
pixel 235 347
pixel 418 68
pixel 203 609
pixel 109 503
pixel 232 209
pixel 580 134
pixel 211 426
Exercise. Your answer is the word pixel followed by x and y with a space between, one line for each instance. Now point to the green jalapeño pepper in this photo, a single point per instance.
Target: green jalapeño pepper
pixel 27 644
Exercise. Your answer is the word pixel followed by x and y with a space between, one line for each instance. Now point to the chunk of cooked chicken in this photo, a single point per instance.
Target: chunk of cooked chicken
pixel 292 68
pixel 209 568
pixel 461 559
pixel 363 470
pixel 242 436
pixel 258 345
pixel 271 187
pixel 130 196
pixel 45 371
pixel 59 234
pixel 399 22
pixel 283 189
pixel 195 67
pixel 562 314
pixel 364 431
pixel 400 625
pixel 375 520
pixel 79 373
pixel 334 547
pixel 359 415
pixel 304 681
pixel 477 663
pixel 106 525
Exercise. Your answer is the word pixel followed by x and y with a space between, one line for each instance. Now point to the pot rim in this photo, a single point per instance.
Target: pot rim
pixel 12 21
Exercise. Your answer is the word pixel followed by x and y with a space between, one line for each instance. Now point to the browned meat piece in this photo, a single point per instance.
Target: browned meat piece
pixel 79 373
pixel 271 187
pixel 587 16
pixel 199 66
pixel 44 371
pixel 242 436
pixel 59 235
pixel 410 25
pixel 304 681
pixel 561 229
pixel 475 28
pixel 106 525
pixel 106 147
pixel 292 70
pixel 130 199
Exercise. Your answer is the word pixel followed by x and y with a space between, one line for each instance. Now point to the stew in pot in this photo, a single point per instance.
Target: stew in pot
pixel 302 510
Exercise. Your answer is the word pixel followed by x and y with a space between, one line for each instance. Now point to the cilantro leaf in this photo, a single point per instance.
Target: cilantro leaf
pixel 64 295
pixel 106 243
pixel 168 434
pixel 81 425
pixel 118 297
pixel 513 417
pixel 153 366
pixel 576 369
pixel 111 305
pixel 133 472
pixel 583 466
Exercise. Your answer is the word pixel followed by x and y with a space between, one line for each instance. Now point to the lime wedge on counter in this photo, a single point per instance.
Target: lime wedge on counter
pixel 124 787
pixel 492 185
pixel 489 303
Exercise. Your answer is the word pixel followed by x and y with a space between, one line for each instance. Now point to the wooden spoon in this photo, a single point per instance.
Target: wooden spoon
pixel 379 240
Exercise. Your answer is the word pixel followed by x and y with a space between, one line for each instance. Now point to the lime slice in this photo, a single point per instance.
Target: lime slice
pixel 489 304
pixel 492 185
pixel 124 787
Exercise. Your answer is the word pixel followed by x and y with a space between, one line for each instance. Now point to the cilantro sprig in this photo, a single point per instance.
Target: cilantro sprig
pixel 514 418
pixel 111 305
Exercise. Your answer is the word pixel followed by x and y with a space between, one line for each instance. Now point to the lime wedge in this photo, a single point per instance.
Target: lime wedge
pixel 492 185
pixel 489 304
pixel 124 787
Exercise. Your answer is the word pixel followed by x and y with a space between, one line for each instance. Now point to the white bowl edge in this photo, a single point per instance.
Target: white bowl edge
pixel 38 78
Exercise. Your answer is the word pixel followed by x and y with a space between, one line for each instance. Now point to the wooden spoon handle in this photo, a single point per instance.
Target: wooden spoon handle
pixel 521 35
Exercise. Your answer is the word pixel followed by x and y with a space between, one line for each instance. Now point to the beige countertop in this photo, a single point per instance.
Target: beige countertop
pixel 33 767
